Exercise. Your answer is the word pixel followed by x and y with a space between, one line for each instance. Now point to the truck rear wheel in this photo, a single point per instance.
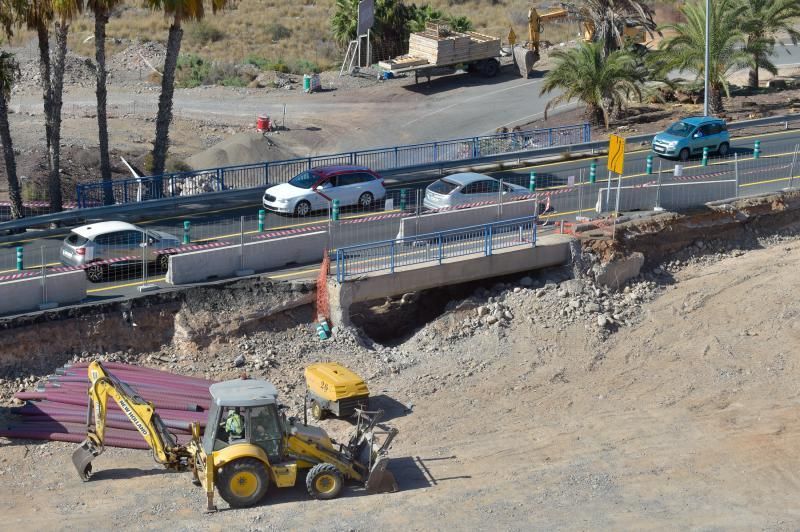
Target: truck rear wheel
pixel 243 483
pixel 317 412
pixel 490 68
pixel 324 482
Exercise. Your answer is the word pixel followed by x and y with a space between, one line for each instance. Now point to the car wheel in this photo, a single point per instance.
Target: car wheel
pixel 684 154
pixel 163 262
pixel 366 200
pixel 96 273
pixel 723 149
pixel 303 208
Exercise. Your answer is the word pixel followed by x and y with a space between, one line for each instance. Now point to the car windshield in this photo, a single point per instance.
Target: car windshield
pixel 443 187
pixel 304 180
pixel 680 129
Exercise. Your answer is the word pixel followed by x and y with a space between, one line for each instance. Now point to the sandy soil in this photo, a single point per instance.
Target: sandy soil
pixel 687 419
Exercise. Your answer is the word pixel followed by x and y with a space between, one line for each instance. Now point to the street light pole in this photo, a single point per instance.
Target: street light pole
pixel 705 70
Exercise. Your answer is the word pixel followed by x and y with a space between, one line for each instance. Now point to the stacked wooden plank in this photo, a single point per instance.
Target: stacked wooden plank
pixel 448 47
pixel 403 61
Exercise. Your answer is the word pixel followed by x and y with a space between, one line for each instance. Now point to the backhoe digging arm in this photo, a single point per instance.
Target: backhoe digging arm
pixel 141 414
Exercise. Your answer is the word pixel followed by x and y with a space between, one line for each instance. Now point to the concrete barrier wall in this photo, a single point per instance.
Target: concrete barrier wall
pixel 221 263
pixel 456 219
pixel 25 295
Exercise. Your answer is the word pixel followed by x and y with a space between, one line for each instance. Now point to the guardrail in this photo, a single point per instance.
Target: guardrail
pixel 247 176
pixel 79 215
pixel 388 255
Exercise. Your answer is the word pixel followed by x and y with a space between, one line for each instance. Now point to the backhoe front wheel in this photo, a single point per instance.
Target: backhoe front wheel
pixel 324 482
pixel 243 483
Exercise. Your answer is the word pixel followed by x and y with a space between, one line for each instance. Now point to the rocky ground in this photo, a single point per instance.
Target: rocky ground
pixel 670 403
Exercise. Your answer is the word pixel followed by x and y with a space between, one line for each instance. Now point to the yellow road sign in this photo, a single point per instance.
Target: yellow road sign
pixel 616 153
pixel 512 37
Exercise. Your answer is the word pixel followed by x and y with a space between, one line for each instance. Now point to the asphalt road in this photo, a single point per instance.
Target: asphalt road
pixel 770 172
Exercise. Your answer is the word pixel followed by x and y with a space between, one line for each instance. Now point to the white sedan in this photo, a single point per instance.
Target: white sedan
pixel 315 189
pixel 466 188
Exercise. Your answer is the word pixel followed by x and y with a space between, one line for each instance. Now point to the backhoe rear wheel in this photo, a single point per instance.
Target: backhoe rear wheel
pixel 324 482
pixel 243 483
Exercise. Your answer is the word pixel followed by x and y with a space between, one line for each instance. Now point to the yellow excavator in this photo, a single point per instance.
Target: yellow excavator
pixel 241 460
pixel 529 55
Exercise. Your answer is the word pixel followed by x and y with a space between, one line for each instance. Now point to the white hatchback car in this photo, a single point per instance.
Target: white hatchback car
pixel 105 246
pixel 314 189
pixel 466 188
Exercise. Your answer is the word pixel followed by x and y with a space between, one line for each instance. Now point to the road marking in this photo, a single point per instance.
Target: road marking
pixel 199 213
pixel 268 230
pixel 768 181
pixel 106 288
pixel 37 267
pixel 291 274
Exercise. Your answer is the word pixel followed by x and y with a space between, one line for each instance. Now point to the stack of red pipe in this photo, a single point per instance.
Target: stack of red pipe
pixel 57 409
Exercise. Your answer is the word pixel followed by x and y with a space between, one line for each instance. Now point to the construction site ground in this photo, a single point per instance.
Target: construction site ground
pixel 686 416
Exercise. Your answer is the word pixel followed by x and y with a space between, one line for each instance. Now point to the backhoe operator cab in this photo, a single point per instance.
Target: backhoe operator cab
pixel 242 458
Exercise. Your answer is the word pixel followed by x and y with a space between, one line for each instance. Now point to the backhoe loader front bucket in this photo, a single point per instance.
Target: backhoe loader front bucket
pixel 380 479
pixel 83 456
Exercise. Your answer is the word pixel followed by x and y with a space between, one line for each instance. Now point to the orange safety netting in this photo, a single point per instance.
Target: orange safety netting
pixel 323 309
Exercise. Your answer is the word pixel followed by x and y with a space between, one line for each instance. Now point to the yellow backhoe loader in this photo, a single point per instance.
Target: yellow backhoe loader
pixel 243 458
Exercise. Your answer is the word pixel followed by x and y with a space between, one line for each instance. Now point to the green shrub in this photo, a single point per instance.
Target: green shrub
pixel 305 67
pixel 266 64
pixel 202 32
pixel 277 31
pixel 192 71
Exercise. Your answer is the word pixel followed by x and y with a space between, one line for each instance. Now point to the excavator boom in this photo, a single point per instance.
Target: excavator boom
pixel 141 414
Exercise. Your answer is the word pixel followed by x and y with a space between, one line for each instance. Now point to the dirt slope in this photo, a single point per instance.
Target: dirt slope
pixel 687 418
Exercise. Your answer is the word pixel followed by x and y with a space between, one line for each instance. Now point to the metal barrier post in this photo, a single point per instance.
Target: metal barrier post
pixel 500 200
pixel 339 266
pixel 757 149
pixel 441 248
pixel 736 172
pixel 704 162
pixel 658 189
pixel 491 236
pixel 145 286
pixel 19 258
pixel 794 161
pixel 391 257
pixel 187 225
pixel 532 182
pixel 649 169
pixel 608 190
pixel 242 271
pixel 262 214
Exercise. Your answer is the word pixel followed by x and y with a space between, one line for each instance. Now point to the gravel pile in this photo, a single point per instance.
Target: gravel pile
pixel 137 56
pixel 78 71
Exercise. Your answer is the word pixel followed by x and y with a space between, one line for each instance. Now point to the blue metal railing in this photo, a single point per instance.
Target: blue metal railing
pixel 258 175
pixel 388 255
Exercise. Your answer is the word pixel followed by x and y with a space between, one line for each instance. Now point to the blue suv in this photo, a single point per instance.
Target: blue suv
pixel 689 136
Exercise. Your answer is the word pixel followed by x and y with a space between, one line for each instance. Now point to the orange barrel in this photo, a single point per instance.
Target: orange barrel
pixel 262 123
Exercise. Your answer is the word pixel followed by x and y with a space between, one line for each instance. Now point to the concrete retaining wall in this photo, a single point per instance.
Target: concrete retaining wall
pixel 25 295
pixel 224 262
pixel 455 219
pixel 550 250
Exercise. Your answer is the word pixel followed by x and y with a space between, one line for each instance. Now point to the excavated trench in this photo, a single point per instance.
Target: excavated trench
pixel 199 319
pixel 392 321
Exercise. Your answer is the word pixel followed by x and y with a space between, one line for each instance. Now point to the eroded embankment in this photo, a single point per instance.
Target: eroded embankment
pixel 659 236
pixel 191 318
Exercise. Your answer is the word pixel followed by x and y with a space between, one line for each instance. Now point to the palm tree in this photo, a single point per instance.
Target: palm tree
pixel 180 11
pixel 685 50
pixel 65 11
pixel 344 21
pixel 601 83
pixel 9 71
pixel 609 18
pixel 101 10
pixel 761 20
